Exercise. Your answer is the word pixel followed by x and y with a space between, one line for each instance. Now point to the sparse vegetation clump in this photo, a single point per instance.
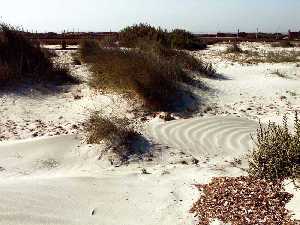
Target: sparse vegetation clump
pixel 279 74
pixel 283 44
pixel 63 45
pixel 182 58
pixel 109 41
pixel 281 57
pixel 132 35
pixel 277 152
pixel 23 60
pixel 182 39
pixel 153 79
pixel 116 132
pixel 255 57
pixel 177 39
pixel 234 48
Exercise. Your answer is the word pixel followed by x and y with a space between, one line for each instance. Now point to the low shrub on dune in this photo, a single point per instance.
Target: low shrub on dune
pixel 234 48
pixel 132 35
pixel 23 60
pixel 277 152
pixel 283 44
pixel 177 39
pixel 116 132
pixel 153 79
pixel 182 58
pixel 182 39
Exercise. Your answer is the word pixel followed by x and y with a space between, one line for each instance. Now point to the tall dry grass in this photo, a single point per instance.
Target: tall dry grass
pixel 23 60
pixel 153 79
pixel 116 132
pixel 177 39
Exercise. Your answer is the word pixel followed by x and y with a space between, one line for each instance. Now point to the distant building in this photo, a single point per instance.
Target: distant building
pixel 294 35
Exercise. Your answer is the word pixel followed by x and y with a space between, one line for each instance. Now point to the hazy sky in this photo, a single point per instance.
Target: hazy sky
pixel 194 15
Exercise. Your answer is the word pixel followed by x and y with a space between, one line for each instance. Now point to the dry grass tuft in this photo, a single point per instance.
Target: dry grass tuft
pixel 234 48
pixel 116 132
pixel 277 152
pixel 243 200
pixel 177 39
pixel 23 60
pixel 255 57
pixel 283 44
pixel 153 79
pixel 281 57
pixel 182 58
pixel 279 74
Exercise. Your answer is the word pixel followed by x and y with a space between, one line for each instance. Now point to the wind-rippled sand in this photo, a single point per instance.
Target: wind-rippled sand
pixel 221 137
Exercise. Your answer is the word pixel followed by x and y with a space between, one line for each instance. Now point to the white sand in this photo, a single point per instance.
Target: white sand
pixel 59 180
pixel 219 138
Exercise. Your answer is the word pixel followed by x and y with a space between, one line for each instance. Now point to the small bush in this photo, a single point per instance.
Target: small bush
pixel 277 152
pixel 23 60
pixel 234 48
pixel 155 80
pixel 116 132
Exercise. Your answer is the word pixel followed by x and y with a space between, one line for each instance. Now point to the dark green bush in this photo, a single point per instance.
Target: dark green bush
pixel 23 60
pixel 277 152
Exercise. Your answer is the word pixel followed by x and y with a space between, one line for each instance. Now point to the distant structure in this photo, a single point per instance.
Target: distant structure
pixel 294 35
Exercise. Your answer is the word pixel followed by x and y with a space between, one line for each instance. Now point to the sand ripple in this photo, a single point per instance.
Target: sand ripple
pixel 204 137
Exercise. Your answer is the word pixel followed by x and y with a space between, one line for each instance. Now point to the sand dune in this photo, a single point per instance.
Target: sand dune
pixel 58 180
pixel 221 137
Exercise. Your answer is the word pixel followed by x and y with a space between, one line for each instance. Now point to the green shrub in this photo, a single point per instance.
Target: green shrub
pixel 277 152
pixel 23 60
pixel 153 79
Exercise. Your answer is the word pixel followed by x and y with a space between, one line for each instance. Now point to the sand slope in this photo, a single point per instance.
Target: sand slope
pixel 58 180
